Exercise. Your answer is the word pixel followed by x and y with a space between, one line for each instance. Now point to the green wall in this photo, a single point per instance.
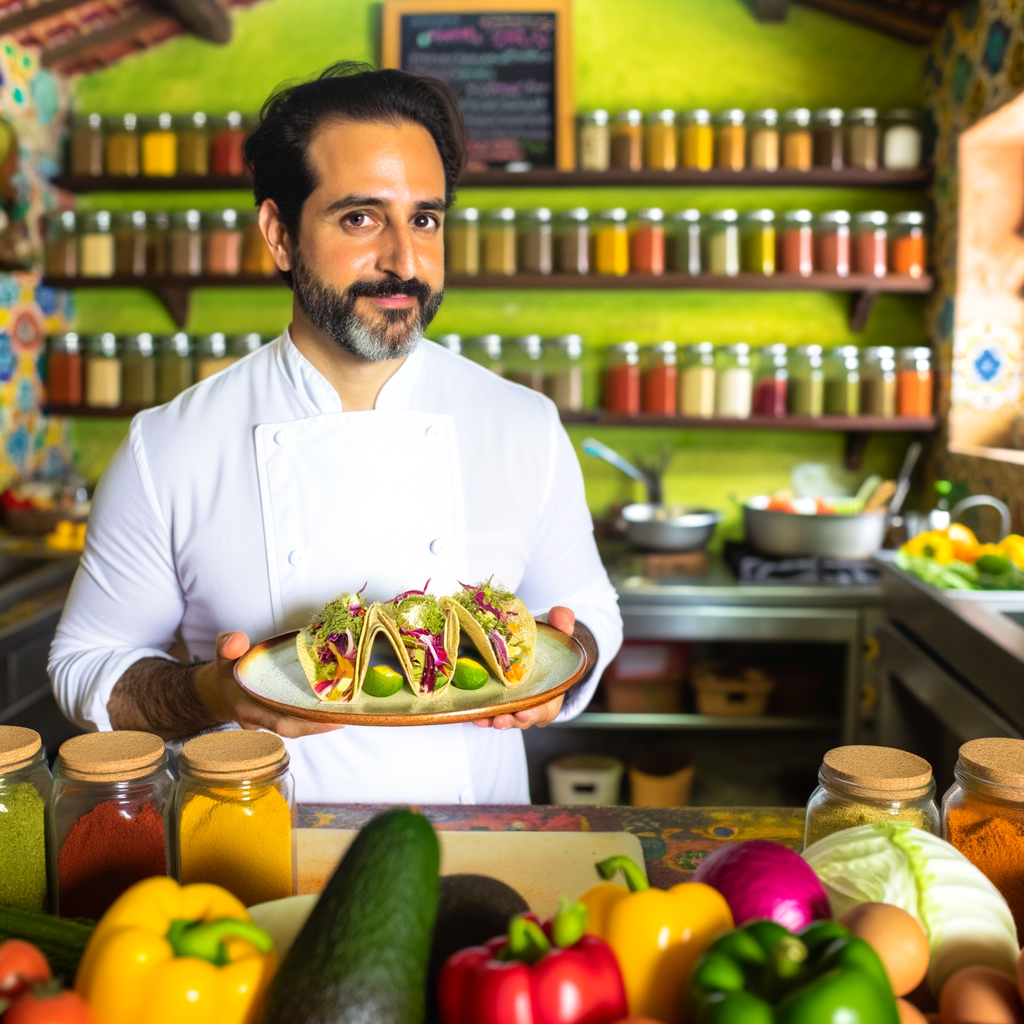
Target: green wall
pixel 645 53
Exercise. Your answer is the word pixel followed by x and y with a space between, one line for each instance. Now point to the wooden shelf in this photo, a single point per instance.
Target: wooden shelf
pixel 614 720
pixel 858 424
pixel 182 183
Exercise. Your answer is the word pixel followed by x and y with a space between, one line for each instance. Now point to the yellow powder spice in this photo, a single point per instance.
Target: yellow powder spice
pixel 243 843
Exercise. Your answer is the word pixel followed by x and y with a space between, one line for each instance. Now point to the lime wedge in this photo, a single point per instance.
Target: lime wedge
pixel 382 681
pixel 469 675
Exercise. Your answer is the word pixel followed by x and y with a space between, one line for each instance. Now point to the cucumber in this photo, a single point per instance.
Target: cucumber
pixel 362 954
pixel 61 939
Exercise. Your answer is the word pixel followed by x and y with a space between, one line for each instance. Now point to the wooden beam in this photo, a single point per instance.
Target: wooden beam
pixel 891 23
pixel 75 49
pixel 205 18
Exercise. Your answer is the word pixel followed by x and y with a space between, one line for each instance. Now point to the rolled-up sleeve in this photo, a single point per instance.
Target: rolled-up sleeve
pixel 565 568
pixel 125 602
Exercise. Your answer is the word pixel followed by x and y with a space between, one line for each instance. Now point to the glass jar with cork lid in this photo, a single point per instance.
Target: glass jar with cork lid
pixel 858 785
pixel 232 814
pixel 25 785
pixel 106 819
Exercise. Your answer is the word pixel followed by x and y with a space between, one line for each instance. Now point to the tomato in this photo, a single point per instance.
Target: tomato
pixel 37 1006
pixel 21 965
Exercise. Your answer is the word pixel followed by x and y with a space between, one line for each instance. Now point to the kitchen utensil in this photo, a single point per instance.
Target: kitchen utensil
pixel 669 527
pixel 598 450
pixel 903 478
pixel 881 496
pixel 270 673
pixel 977 500
pixel 794 535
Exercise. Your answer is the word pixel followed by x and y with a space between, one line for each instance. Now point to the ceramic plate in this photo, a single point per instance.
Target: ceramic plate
pixel 270 673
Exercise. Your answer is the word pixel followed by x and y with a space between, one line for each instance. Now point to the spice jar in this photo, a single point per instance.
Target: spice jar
pixel 212 354
pixel 240 345
pixel 64 370
pixel 763 134
pixel 732 140
pixel 484 349
pixel 222 243
pixel 157 238
pixel 697 140
pixel 535 242
pixel 683 243
pixel 256 257
pixel 907 244
pixel 870 243
pixel 106 818
pixel 832 242
pixel 660 141
pixel 722 243
pixel 734 382
pixel 659 382
pixel 498 242
pixel 523 361
pixel 842 381
pixel 914 381
pixel 862 138
pixel 174 372
pixel 797 140
pixel 563 371
pixel 462 241
pixel 159 147
pixel 827 127
pixel 25 785
pixel 233 812
pixel 193 145
pixel 771 381
pixel 796 243
pixel 983 815
pixel 102 372
pixel 61 246
pixel 611 243
pixel 757 236
pixel 138 370
pixel 85 149
pixel 593 141
pixel 861 785
pixel 647 242
pixel 226 157
pixel 122 146
pixel 185 244
pixel 627 141
pixel 622 379
pixel 130 243
pixel 878 382
pixel 697 381
pixel 901 140
pixel 95 245
pixel 573 241
pixel 806 392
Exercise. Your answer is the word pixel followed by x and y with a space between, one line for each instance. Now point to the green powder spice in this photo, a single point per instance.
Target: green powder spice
pixel 22 848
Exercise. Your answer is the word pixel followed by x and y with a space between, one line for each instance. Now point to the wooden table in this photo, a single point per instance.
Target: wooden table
pixel 674 839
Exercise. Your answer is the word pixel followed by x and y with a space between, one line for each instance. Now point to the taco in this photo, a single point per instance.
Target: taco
pixel 425 638
pixel 334 648
pixel 500 626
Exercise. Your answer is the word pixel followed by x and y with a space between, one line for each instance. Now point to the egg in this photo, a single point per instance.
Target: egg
pixel 980 995
pixel 897 938
pixel 910 1014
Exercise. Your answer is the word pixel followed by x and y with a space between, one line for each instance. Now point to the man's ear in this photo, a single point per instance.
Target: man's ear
pixel 276 235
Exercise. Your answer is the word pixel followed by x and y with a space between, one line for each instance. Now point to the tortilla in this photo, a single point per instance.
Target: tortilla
pixel 345 673
pixel 403 645
pixel 518 629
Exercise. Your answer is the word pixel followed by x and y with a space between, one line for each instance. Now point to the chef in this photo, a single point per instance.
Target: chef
pixel 348 451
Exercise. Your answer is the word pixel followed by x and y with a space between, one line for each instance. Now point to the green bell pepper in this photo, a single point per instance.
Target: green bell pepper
pixel 763 974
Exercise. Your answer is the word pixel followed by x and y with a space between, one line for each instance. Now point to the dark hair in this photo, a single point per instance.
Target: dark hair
pixel 276 148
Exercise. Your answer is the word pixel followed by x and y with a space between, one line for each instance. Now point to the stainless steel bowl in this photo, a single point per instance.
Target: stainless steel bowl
pixel 669 527
pixel 795 535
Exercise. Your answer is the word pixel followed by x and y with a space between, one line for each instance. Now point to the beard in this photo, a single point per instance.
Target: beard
pixel 389 334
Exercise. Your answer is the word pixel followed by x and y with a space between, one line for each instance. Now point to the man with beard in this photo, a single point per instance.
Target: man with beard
pixel 348 451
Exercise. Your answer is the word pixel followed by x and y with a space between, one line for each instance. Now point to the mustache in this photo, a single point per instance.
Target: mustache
pixel 391 286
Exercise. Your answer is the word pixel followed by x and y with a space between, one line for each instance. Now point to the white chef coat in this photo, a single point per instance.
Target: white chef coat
pixel 251 499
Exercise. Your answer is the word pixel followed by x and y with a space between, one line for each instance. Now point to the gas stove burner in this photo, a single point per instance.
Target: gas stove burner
pixel 752 567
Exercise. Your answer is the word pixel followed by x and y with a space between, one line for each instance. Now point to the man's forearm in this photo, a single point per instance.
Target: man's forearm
pixel 159 696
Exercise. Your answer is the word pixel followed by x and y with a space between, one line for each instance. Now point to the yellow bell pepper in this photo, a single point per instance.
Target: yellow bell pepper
pixel 1012 545
pixel 934 544
pixel 171 954
pixel 656 934
pixel 965 545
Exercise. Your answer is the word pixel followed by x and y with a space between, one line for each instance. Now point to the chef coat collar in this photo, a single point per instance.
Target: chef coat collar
pixel 314 389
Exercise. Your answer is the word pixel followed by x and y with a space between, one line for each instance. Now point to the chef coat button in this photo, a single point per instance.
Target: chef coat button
pixel 431 431
pixel 437 546
pixel 283 436
pixel 296 557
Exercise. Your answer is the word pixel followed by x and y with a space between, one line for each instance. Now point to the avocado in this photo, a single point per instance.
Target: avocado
pixel 362 954
pixel 471 909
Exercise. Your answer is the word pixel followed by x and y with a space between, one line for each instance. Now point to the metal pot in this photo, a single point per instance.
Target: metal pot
pixel 669 527
pixel 793 535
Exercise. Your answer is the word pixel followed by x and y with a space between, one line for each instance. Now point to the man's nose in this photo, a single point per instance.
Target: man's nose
pixel 398 253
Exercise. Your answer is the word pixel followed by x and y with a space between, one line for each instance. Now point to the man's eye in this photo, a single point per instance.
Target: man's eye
pixel 424 220
pixel 357 220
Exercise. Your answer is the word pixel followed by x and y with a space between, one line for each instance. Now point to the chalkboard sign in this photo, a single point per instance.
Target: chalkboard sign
pixel 509 65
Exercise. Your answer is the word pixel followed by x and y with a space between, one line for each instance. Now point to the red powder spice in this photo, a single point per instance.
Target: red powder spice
pixel 106 853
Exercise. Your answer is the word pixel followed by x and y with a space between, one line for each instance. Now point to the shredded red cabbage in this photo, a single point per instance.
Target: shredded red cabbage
pixel 481 602
pixel 500 648
pixel 410 593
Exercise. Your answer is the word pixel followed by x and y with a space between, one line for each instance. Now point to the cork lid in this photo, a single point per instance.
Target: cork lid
pixel 999 760
pixel 17 746
pixel 882 768
pixel 236 754
pixel 110 756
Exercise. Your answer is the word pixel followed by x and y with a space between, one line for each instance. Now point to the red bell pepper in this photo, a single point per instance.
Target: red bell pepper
pixel 536 975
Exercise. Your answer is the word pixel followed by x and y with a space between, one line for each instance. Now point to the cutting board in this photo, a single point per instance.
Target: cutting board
pixel 543 867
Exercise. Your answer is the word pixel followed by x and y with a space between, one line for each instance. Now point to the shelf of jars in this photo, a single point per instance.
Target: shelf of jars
pixel 848 424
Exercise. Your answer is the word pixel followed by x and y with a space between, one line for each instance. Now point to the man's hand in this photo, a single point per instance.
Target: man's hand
pixel 227 702
pixel 564 620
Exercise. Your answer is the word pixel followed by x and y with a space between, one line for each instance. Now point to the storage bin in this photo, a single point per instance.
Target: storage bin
pixel 643 696
pixel 724 692
pixel 651 786
pixel 585 779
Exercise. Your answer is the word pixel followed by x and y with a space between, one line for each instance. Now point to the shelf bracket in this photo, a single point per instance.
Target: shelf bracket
pixel 856 442
pixel 177 299
pixel 861 305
